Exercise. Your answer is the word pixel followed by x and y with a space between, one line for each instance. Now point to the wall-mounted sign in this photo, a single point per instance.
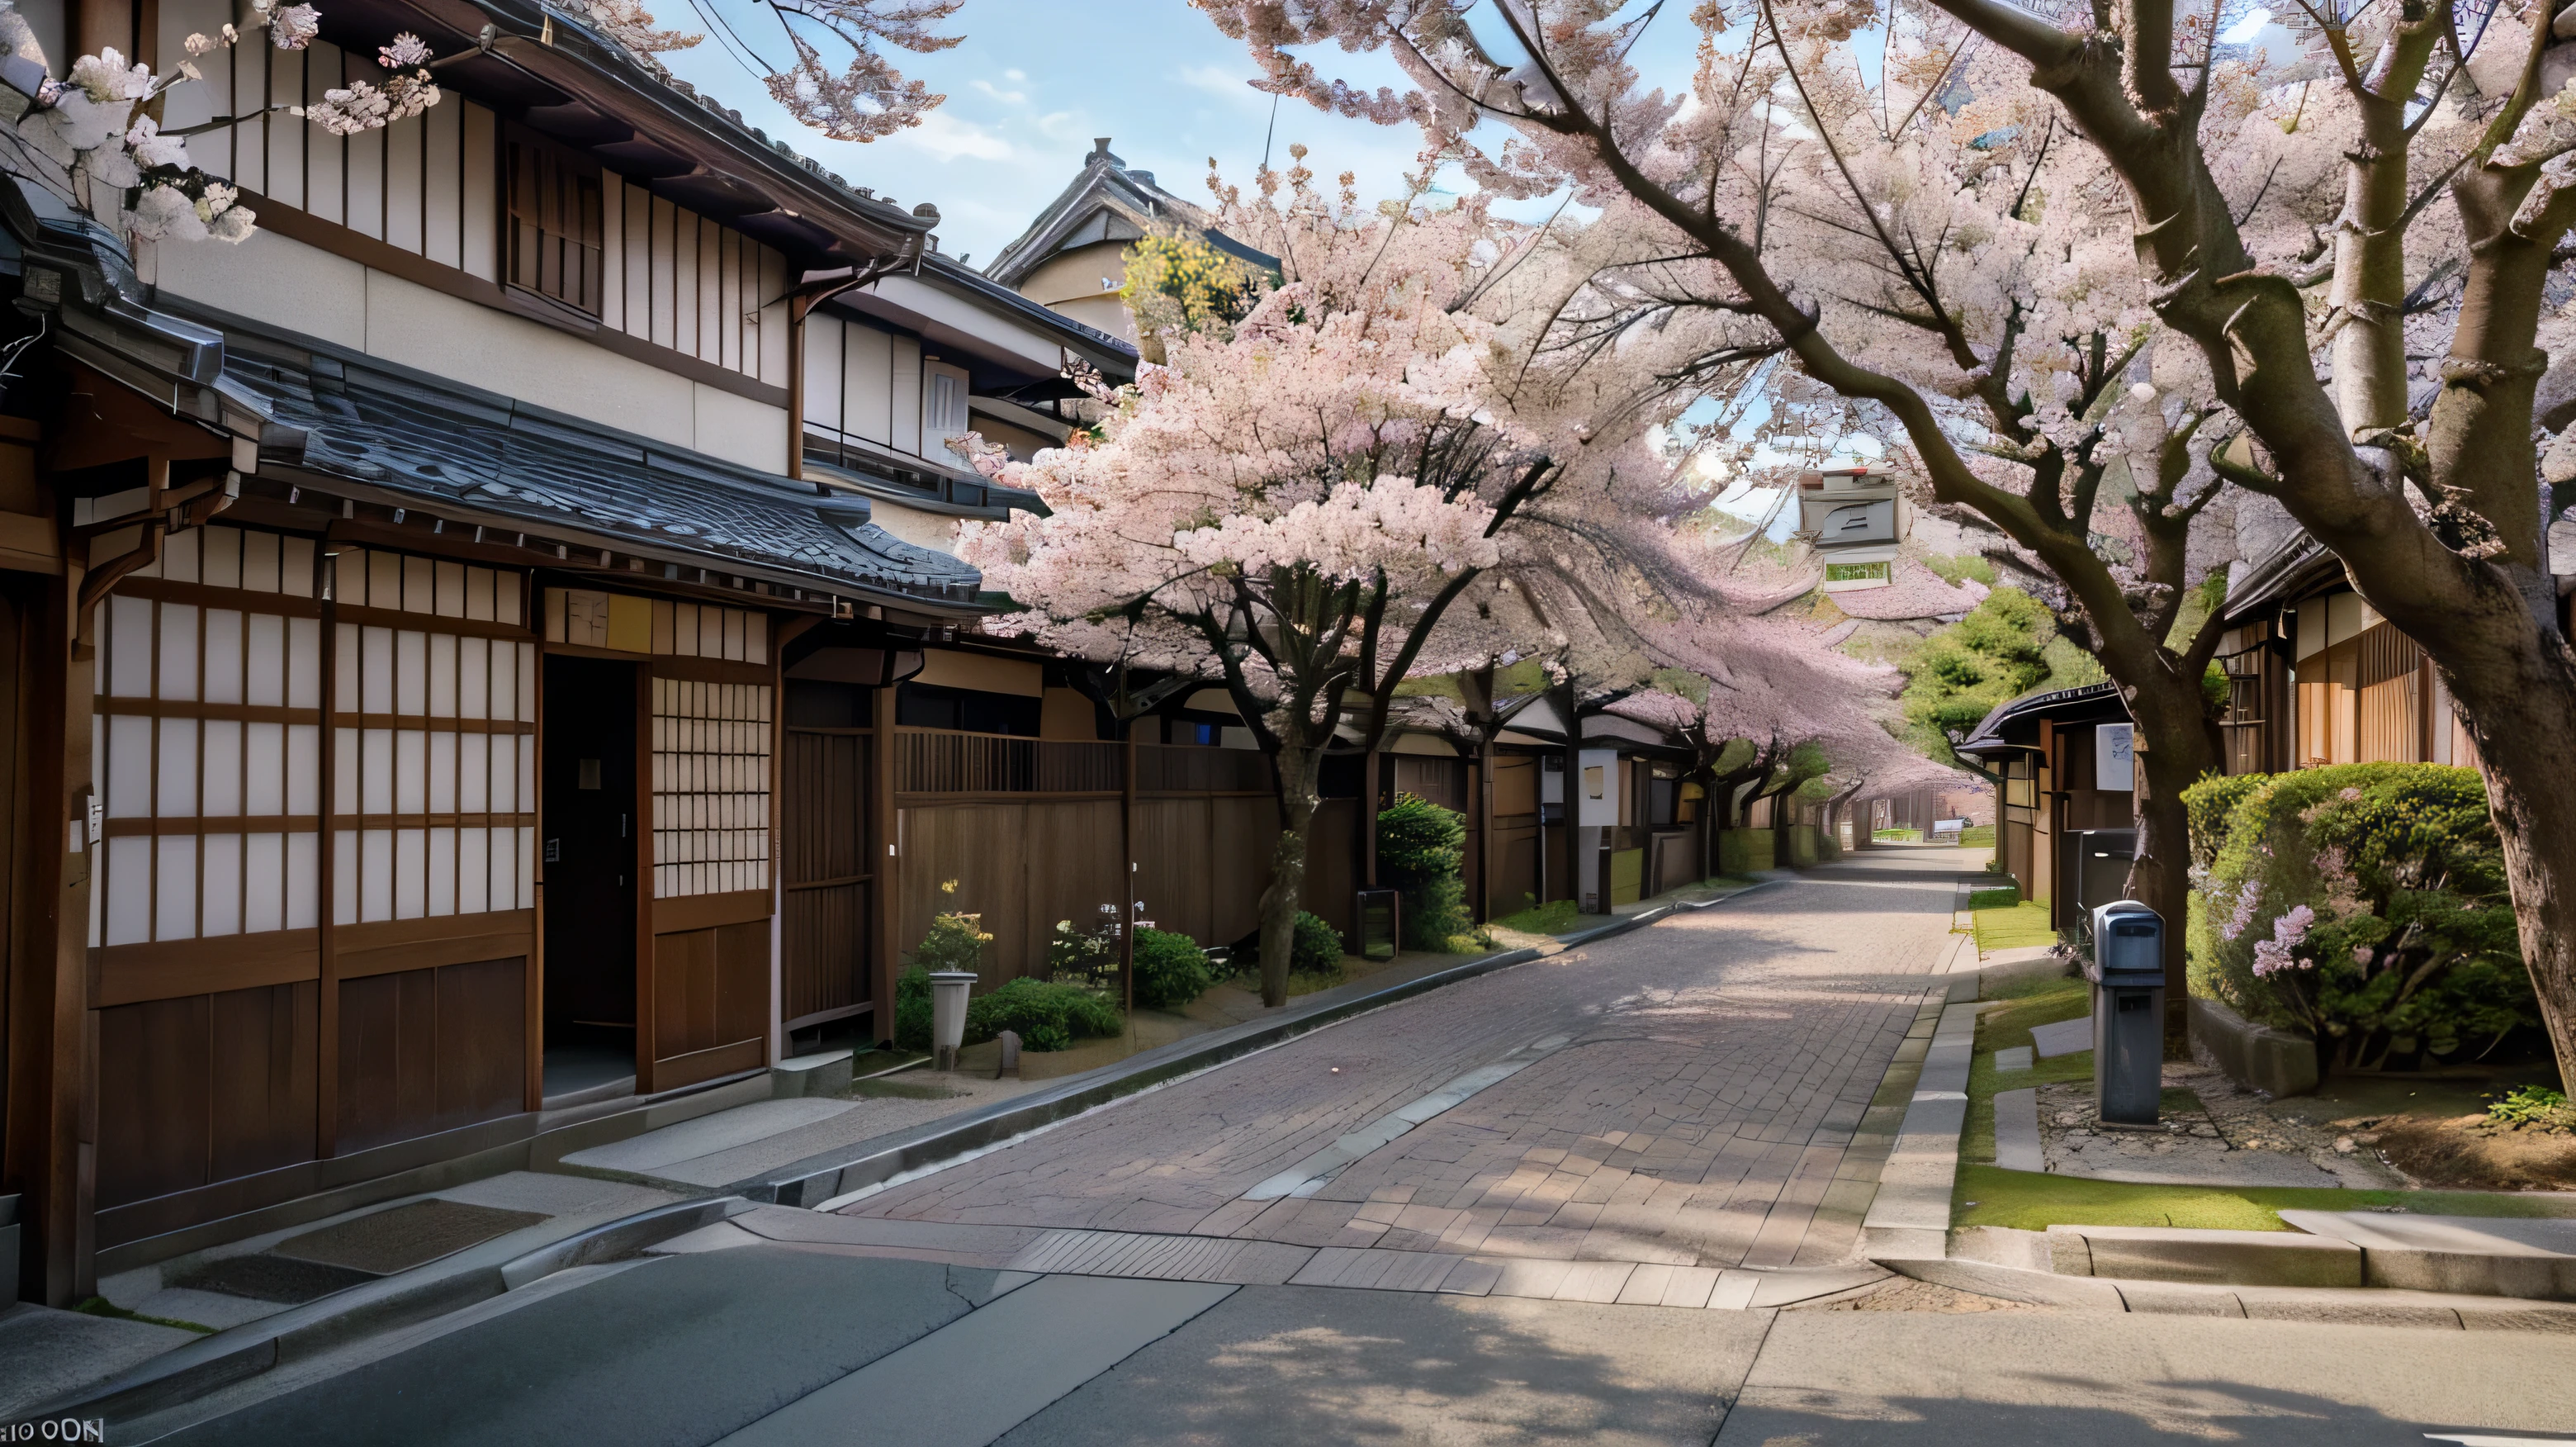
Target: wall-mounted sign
pixel 2115 756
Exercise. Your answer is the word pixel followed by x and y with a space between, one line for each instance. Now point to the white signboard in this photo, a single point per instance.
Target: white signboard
pixel 2115 756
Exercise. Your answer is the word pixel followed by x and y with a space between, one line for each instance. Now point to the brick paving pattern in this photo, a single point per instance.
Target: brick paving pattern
pixel 1711 1109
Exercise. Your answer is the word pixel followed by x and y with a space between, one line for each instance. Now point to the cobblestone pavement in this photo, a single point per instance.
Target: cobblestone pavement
pixel 1701 1099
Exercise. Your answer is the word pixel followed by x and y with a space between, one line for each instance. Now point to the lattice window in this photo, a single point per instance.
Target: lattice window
pixel 434 750
pixel 710 787
pixel 206 745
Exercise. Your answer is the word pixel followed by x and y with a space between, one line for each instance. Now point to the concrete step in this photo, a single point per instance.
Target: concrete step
pixel 2526 1259
pixel 2534 1259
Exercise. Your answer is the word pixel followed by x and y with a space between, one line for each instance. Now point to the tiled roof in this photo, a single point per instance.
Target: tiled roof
pixel 409 434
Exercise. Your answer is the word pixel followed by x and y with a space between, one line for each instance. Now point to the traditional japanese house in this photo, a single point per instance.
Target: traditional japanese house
pixel 2067 770
pixel 456 639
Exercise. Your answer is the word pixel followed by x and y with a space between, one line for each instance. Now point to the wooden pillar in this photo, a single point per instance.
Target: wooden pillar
pixel 887 866
pixel 51 1159
pixel 1483 798
pixel 531 604
pixel 1128 876
pixel 1570 850
pixel 797 306
pixel 1368 823
pixel 326 1042
pixel 639 840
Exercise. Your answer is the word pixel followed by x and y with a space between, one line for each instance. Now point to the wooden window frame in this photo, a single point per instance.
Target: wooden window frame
pixel 529 223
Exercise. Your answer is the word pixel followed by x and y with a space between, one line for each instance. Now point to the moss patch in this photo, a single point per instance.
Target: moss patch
pixel 2005 1023
pixel 2034 1201
pixel 2024 924
pixel 1553 918
pixel 101 1306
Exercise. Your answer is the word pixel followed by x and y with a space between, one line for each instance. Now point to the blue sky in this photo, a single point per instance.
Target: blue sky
pixel 1030 87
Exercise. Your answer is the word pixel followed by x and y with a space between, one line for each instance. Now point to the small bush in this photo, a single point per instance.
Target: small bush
pixel 1317 949
pixel 1047 1015
pixel 1171 970
pixel 2365 904
pixel 912 1009
pixel 955 942
pixel 1977 836
pixel 1421 848
pixel 1081 957
pixel 2533 1105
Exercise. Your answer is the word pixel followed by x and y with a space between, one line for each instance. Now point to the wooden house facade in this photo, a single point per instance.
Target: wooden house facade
pixel 456 644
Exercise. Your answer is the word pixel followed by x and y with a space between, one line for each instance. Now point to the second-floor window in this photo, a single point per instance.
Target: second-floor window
pixel 943 406
pixel 555 242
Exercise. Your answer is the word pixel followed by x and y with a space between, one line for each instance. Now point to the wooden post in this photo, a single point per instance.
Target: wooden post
pixel 1127 877
pixel 326 1052
pixel 640 860
pixel 530 602
pixel 798 305
pixel 47 1162
pixel 1368 822
pixel 887 865
pixel 1484 802
pixel 1573 791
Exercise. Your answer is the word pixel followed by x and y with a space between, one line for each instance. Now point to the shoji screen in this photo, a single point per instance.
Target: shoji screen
pixel 206 746
pixel 710 787
pixel 434 715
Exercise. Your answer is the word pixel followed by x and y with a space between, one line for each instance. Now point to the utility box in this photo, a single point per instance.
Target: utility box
pixel 2128 975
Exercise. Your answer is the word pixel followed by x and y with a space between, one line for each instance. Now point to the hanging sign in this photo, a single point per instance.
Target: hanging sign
pixel 2115 757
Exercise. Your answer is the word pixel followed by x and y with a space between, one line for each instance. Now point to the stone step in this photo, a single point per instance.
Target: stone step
pixel 2527 1259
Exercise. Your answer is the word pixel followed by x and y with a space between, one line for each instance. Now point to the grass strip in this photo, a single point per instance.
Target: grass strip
pixel 2035 1200
pixel 2023 924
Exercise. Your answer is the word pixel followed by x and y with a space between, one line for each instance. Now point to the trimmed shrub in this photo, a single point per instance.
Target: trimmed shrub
pixel 2208 803
pixel 2365 904
pixel 955 942
pixel 1317 949
pixel 1047 1015
pixel 1420 849
pixel 1171 969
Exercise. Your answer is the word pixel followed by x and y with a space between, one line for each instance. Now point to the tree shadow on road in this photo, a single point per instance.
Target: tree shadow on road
pixel 1317 1364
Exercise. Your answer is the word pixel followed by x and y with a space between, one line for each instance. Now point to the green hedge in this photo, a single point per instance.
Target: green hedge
pixel 1171 970
pixel 2363 903
pixel 1421 848
pixel 1048 1015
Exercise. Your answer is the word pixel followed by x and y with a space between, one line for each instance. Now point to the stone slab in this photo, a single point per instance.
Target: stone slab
pixel 1911 1213
pixel 740 1126
pixel 2063 1037
pixel 944 1390
pixel 1880 1379
pixel 2017 1131
pixel 2470 1255
pixel 2014 1058
pixel 45 1353
pixel 2258 1057
pixel 2230 1258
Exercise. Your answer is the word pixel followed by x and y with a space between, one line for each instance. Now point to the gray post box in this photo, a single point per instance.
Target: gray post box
pixel 2128 975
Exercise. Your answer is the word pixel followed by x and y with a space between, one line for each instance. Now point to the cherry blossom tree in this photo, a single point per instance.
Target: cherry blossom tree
pixel 1912 244
pixel 95 139
pixel 837 77
pixel 1330 495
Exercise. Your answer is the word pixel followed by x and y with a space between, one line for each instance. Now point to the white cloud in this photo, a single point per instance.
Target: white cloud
pixel 1234 85
pixel 1015 74
pixel 946 137
pixel 1013 97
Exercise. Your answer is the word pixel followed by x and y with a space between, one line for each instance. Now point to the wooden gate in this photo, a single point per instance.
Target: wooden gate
pixel 824 856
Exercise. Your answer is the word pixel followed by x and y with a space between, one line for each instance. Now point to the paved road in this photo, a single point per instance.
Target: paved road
pixel 1644 1122
pixel 1707 1080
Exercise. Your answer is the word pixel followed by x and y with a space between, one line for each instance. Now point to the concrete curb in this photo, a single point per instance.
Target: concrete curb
pixel 1909 1218
pixel 871 1162
pixel 473 1275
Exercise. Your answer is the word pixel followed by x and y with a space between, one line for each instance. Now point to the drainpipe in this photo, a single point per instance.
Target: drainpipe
pixel 812 291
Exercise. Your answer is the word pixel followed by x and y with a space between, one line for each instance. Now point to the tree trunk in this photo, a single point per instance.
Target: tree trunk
pixel 2177 747
pixel 2521 734
pixel 1286 895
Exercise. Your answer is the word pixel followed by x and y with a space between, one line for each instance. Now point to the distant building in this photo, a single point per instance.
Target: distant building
pixel 1073 257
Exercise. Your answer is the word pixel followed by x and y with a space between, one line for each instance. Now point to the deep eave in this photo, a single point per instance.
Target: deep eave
pixel 2013 726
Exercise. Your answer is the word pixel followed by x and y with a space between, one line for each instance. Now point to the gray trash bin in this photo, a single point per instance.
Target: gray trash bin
pixel 2128 975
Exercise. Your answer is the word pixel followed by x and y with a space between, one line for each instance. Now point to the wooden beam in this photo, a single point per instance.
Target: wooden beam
pixel 886 864
pixel 640 861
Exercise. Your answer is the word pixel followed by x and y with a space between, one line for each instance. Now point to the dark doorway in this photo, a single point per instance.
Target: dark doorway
pixel 589 853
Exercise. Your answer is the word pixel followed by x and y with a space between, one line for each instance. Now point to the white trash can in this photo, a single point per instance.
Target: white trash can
pixel 948 1015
